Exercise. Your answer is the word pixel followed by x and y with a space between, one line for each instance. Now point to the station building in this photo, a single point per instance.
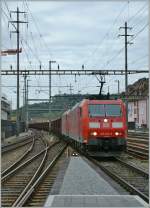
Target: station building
pixel 138 112
pixel 138 104
pixel 5 108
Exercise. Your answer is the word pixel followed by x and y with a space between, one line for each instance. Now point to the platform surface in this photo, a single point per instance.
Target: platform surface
pixel 80 178
pixel 122 201
pixel 14 138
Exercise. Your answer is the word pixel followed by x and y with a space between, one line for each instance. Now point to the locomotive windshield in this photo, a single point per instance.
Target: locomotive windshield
pixel 104 110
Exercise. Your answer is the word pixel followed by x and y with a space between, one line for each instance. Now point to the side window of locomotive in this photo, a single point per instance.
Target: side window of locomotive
pixel 113 110
pixel 96 110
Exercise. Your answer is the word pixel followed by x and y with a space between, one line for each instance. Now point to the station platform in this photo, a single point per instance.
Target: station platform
pixel 14 138
pixel 119 201
pixel 83 186
pixel 80 178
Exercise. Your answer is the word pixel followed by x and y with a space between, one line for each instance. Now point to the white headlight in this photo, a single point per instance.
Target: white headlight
pixel 116 133
pixel 105 120
pixel 94 133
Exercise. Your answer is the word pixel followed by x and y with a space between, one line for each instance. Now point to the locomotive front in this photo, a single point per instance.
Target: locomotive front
pixel 107 125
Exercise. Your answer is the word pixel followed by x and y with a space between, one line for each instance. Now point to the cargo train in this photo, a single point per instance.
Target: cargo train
pixel 94 125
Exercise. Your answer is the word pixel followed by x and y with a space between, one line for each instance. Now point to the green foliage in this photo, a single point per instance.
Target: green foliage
pixel 60 104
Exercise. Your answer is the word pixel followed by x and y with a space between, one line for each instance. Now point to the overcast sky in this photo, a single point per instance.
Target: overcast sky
pixel 75 33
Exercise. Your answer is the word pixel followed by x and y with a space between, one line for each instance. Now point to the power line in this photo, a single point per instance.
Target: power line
pixel 37 28
pixel 8 18
pixel 139 59
pixel 141 9
pixel 141 30
pixel 26 55
pixel 35 55
pixel 114 57
pixel 106 34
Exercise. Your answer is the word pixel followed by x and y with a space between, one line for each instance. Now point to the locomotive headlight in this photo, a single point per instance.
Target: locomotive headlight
pixel 105 120
pixel 116 133
pixel 94 133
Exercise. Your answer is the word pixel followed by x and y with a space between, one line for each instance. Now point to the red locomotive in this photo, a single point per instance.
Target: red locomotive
pixel 95 125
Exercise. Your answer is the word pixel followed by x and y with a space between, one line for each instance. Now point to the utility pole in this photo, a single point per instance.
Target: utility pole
pixel 126 35
pixel 70 89
pixel 17 22
pixel 108 89
pixel 27 97
pixel 50 68
pixel 25 100
pixel 118 84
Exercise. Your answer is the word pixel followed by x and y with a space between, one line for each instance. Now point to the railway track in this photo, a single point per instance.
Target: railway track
pixel 17 144
pixel 18 182
pixel 138 147
pixel 133 179
pixel 140 135
pixel 45 183
pixel 36 146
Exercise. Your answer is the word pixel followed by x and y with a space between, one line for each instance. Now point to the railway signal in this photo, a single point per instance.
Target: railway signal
pixel 10 52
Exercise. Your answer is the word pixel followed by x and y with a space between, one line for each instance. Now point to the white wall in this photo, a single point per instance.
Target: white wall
pixel 131 112
pixel 4 115
pixel 139 110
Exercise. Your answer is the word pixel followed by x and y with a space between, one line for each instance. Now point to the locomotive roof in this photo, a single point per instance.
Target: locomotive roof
pixel 87 101
pixel 118 101
pixel 66 112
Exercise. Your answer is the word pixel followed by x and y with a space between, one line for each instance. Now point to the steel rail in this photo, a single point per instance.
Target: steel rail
pixel 25 163
pixel 19 160
pixel 26 196
pixel 32 179
pixel 138 135
pixel 137 153
pixel 123 182
pixel 133 167
pixel 15 145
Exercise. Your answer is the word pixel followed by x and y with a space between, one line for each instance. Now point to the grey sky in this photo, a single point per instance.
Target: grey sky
pixel 72 33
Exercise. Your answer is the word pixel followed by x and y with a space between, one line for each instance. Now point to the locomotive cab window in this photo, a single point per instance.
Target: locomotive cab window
pixel 113 110
pixel 96 110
